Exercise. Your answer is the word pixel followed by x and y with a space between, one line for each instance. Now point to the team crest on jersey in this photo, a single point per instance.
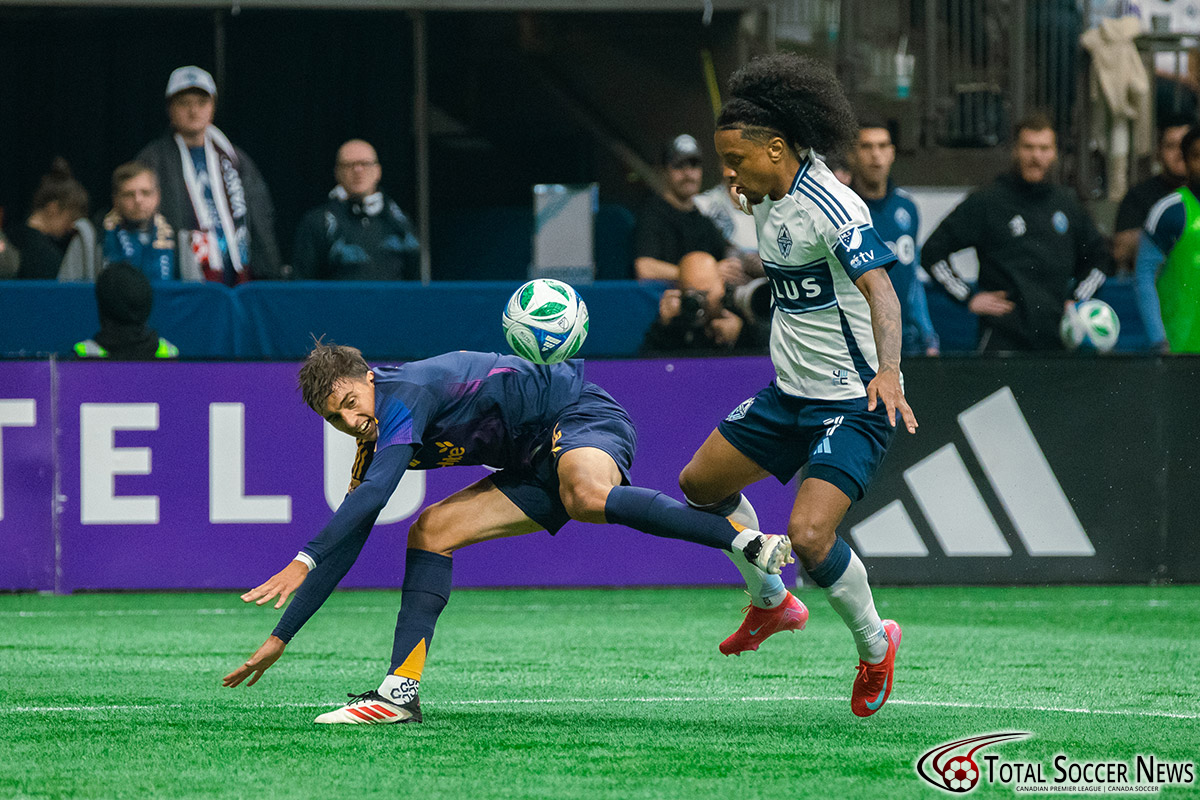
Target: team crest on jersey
pixel 740 411
pixel 1059 221
pixel 903 218
pixel 784 240
pixel 851 238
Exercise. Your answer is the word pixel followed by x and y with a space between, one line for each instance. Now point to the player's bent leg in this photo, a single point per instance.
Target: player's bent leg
pixel 585 477
pixel 478 513
pixel 717 471
pixel 712 481
pixel 591 491
pixel 832 565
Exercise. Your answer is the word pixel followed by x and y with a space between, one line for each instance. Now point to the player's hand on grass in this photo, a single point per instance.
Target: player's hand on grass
pixel 257 664
pixel 885 387
pixel 282 583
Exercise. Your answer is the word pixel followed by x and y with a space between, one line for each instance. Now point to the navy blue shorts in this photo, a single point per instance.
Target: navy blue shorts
pixel 839 440
pixel 594 420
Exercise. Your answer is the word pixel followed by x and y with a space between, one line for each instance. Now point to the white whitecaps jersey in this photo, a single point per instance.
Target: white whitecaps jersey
pixel 814 243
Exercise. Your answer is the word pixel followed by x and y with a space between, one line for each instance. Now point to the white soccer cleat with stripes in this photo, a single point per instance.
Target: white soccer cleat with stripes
pixel 371 708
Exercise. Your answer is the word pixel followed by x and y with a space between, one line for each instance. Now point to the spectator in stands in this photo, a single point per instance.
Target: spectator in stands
pixel 1136 205
pixel 58 203
pixel 359 233
pixel 840 168
pixel 670 228
pixel 1168 256
pixel 212 194
pixel 894 214
pixel 1038 249
pixel 124 299
pixel 10 259
pixel 133 232
pixel 697 316
pixel 737 226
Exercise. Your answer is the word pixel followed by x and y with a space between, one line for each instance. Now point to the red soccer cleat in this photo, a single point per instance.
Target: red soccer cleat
pixel 874 682
pixel 790 615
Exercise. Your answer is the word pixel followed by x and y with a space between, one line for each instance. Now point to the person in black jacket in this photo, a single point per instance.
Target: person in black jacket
pixel 359 233
pixel 1038 249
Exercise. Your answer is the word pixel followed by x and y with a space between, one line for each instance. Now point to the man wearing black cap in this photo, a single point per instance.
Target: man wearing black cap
pixel 675 242
pixel 123 298
pixel 669 227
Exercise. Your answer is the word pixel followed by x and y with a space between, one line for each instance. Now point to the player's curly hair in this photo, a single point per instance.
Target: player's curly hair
pixel 792 96
pixel 324 366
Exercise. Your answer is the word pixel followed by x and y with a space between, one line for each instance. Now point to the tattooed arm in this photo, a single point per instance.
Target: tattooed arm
pixel 885 322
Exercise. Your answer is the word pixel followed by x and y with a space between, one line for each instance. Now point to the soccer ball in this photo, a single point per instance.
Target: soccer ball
pixel 1090 325
pixel 545 321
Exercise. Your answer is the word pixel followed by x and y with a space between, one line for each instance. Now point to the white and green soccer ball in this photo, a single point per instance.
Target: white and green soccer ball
pixel 1090 325
pixel 545 321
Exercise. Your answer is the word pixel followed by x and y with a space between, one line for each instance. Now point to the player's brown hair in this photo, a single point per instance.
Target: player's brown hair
pixel 324 366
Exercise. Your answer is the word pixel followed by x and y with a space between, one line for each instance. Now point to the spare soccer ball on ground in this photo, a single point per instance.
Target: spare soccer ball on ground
pixel 1090 325
pixel 545 321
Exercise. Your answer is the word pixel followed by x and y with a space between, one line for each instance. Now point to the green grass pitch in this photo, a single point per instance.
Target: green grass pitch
pixel 582 694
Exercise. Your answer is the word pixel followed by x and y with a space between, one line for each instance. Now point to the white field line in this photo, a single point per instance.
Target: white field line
pixel 232 610
pixel 650 700
pixel 167 612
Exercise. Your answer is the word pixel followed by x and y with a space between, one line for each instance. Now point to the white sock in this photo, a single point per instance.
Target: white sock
pixel 766 591
pixel 850 596
pixel 398 689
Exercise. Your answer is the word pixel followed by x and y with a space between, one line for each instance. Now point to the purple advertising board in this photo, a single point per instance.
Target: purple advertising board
pixel 214 475
pixel 192 476
pixel 26 477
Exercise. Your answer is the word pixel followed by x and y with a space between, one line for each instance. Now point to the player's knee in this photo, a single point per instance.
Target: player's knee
pixel 424 533
pixel 693 486
pixel 810 540
pixel 584 500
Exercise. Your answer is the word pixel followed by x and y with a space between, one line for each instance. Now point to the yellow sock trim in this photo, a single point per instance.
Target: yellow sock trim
pixel 414 664
pixel 737 526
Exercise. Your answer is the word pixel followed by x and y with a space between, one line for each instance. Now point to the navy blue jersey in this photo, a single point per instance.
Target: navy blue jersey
pixel 897 220
pixel 472 408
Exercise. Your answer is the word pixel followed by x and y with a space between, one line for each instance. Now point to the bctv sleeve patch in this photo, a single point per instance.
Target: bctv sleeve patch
pixel 860 248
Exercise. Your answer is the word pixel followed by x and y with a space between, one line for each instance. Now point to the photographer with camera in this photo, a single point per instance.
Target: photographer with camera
pixel 706 313
pixel 674 241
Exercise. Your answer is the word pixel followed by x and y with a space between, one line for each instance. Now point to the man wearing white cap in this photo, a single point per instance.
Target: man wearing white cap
pixel 211 190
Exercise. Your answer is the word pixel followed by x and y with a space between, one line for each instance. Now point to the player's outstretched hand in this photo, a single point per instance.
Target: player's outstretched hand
pixel 257 664
pixel 282 583
pixel 886 387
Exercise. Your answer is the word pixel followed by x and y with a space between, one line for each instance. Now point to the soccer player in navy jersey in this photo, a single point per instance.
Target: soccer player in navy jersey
pixel 835 345
pixel 562 448
pixel 895 217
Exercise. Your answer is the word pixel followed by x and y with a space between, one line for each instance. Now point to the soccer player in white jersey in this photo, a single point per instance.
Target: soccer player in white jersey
pixel 835 344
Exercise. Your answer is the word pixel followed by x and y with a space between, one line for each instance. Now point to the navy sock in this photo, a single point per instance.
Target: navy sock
pixel 828 571
pixel 424 594
pixel 653 512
